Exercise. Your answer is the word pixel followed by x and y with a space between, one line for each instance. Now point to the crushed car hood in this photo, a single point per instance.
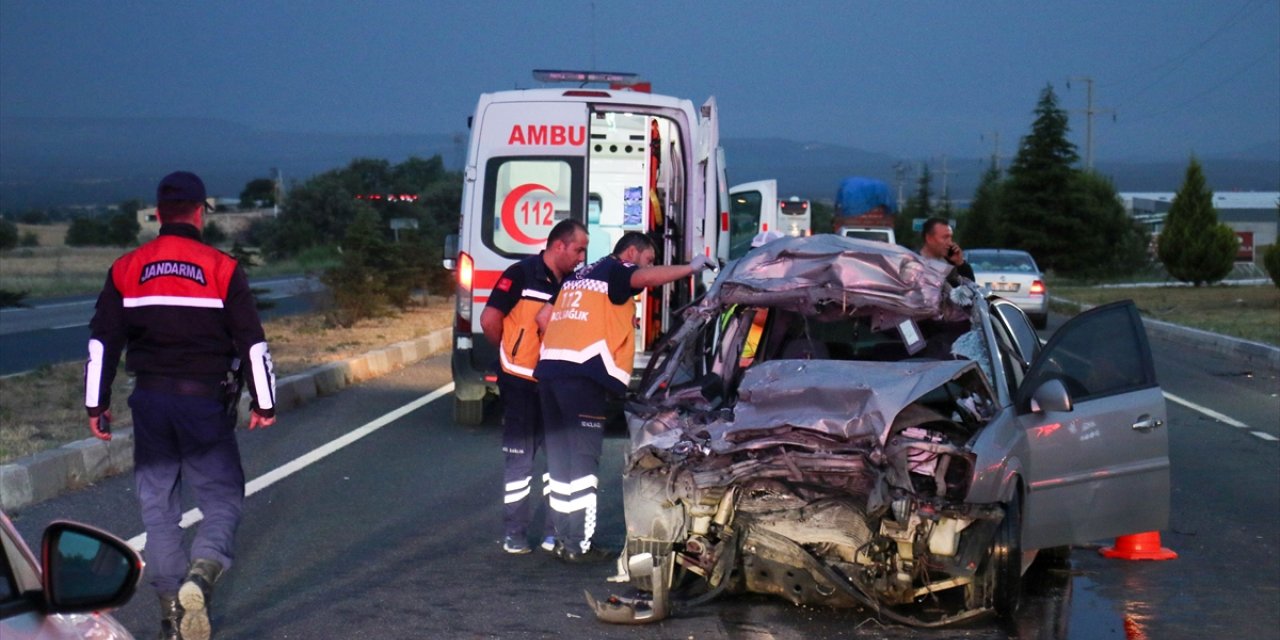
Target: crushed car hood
pixel 847 401
pixel 798 273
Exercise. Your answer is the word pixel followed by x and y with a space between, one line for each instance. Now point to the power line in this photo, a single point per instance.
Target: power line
pixel 1239 72
pixel 1175 63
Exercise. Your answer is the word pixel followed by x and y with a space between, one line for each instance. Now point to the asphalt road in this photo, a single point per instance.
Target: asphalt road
pixel 56 330
pixel 397 535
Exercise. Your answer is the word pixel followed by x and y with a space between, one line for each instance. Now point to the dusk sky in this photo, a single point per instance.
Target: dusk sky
pixel 905 78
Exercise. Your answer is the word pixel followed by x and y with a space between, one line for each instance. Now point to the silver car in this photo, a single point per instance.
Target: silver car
pixel 81 573
pixel 835 425
pixel 1014 276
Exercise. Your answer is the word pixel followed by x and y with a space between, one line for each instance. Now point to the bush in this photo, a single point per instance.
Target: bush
pixel 8 235
pixel 86 232
pixel 1271 260
pixel 29 239
pixel 213 234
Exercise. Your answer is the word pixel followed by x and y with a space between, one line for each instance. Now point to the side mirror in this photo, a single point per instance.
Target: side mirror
pixel 86 569
pixel 1051 395
pixel 450 260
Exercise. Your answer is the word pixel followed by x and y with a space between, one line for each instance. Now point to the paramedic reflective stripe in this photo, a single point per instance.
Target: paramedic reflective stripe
pixel 561 500
pixel 93 374
pixel 561 497
pixel 172 301
pixel 536 295
pixel 511 367
pixel 263 375
pixel 517 490
pixel 599 348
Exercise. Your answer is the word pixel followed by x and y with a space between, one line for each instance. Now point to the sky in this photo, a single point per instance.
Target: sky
pixel 907 78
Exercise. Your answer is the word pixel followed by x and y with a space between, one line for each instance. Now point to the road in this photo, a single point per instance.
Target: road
pixel 56 330
pixel 397 534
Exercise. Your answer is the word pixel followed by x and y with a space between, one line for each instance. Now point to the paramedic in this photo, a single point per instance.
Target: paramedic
pixel 587 358
pixel 184 312
pixel 509 323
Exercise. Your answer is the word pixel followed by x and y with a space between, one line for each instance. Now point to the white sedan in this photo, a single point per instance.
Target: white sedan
pixel 1014 276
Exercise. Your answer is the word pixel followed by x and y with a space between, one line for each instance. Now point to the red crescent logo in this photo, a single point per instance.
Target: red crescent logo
pixel 509 213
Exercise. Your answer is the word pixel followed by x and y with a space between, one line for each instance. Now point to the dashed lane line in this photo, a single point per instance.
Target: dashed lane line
pixel 193 516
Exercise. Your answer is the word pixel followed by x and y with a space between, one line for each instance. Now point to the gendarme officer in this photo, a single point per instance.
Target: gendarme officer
pixel 184 312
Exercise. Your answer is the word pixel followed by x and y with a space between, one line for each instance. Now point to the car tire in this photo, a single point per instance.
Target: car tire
pixel 1039 320
pixel 468 412
pixel 1005 563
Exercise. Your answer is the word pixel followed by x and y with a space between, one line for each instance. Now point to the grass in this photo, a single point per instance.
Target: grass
pixel 1251 312
pixel 54 269
pixel 45 409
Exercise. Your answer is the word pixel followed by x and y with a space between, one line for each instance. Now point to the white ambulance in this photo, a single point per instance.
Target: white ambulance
pixel 615 158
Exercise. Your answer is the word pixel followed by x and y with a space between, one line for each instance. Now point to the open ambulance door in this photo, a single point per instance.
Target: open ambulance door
pixel 704 231
pixel 753 208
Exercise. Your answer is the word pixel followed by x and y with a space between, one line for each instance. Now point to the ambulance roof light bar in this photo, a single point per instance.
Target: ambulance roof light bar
pixel 584 77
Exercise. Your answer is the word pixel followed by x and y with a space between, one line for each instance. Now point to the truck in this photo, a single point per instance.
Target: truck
pixel 617 158
pixel 864 209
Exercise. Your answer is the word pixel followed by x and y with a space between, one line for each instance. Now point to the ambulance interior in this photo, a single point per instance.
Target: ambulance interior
pixel 635 182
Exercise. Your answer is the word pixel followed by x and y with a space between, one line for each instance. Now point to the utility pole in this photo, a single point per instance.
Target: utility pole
pixel 995 153
pixel 945 194
pixel 1088 114
pixel 900 172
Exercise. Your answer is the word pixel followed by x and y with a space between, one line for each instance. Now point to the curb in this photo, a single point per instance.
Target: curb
pixel 50 473
pixel 1263 355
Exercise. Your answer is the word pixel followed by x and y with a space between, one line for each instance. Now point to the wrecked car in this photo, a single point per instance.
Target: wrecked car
pixel 838 424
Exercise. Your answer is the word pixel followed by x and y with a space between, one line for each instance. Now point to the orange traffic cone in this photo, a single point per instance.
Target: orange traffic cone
pixel 1139 546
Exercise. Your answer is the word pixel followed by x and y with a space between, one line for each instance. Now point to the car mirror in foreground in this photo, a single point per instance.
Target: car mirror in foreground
pixel 86 569
pixel 1051 395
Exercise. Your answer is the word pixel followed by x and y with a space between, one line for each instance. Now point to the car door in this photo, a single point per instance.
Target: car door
pixel 1101 468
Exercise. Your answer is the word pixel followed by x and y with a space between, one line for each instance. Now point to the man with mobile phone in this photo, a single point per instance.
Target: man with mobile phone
pixel 939 246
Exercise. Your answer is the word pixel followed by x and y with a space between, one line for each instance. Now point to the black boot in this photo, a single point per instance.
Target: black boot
pixel 170 618
pixel 195 597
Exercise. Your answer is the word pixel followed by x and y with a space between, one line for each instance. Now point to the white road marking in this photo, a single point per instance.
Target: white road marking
pixel 1220 417
pixel 193 516
pixel 1206 411
pixel 69 326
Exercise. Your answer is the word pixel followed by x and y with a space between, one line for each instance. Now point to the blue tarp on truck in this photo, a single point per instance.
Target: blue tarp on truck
pixel 861 195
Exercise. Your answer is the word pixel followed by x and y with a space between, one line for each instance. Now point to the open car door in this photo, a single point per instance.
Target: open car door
pixel 1096 429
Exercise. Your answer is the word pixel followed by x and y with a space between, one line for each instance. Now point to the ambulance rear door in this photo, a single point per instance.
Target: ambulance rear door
pixel 530 173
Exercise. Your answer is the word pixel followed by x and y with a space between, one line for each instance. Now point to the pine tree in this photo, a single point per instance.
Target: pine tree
pixel 981 226
pixel 1194 246
pixel 1038 216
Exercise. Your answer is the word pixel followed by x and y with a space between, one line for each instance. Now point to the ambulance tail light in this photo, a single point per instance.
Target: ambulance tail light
pixel 724 220
pixel 466 275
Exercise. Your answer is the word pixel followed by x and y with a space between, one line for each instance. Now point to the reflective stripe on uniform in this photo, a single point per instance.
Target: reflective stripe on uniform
pixel 598 348
pixel 93 374
pixel 172 301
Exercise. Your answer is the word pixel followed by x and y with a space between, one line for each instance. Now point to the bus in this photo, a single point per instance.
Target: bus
pixel 795 217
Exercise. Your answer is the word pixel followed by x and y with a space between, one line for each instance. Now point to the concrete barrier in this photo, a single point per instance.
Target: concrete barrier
pixel 47 474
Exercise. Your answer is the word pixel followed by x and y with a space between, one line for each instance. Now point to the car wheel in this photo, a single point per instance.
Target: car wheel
pixel 1005 563
pixel 1039 320
pixel 468 412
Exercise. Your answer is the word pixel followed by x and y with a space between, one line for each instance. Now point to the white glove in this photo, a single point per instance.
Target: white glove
pixel 701 262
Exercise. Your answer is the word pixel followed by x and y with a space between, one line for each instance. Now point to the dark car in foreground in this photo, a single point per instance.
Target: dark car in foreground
pixel 836 424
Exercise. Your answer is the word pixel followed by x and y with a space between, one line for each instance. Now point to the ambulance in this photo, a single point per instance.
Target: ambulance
pixel 615 157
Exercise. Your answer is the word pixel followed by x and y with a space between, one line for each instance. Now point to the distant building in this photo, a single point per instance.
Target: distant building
pixel 1253 215
pixel 231 222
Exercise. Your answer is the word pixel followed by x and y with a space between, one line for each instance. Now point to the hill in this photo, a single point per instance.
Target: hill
pixel 58 162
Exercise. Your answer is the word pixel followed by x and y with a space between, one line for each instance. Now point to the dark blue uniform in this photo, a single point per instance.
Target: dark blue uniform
pixel 185 313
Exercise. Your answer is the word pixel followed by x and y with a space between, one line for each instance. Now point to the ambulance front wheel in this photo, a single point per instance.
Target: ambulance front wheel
pixel 468 412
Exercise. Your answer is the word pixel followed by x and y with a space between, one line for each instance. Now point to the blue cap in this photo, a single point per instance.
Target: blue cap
pixel 181 186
